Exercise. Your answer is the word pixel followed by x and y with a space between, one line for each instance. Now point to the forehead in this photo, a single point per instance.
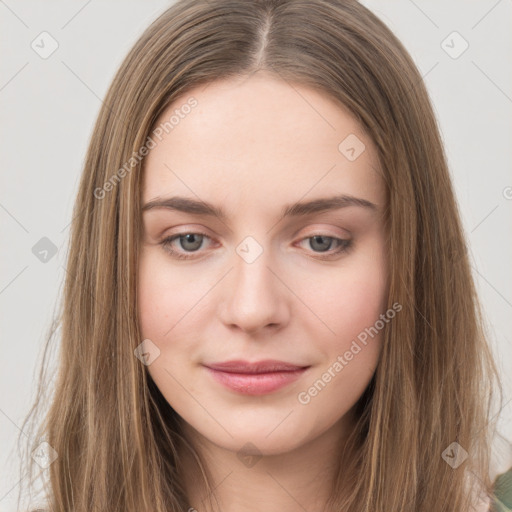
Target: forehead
pixel 248 138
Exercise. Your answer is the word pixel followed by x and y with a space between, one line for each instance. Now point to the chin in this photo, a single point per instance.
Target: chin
pixel 264 438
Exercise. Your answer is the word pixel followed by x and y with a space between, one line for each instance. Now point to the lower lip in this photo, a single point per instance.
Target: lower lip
pixel 256 384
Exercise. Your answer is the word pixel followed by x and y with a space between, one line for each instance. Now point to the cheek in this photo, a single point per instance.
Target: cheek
pixel 353 299
pixel 163 304
pixel 153 304
pixel 352 304
pixel 162 298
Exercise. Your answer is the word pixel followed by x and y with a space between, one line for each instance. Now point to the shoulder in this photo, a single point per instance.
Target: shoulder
pixel 501 474
pixel 503 492
pixel 499 498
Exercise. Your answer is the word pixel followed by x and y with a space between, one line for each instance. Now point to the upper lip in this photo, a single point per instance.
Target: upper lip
pixel 266 366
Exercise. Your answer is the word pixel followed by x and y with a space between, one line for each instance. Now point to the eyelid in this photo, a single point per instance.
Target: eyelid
pixel 320 229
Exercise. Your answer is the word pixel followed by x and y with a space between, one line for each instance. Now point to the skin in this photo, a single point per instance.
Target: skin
pixel 251 146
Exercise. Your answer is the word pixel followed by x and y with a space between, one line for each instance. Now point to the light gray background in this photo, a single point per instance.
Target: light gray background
pixel 48 107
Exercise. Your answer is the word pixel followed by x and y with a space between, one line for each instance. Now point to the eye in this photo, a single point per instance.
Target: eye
pixel 323 243
pixel 189 242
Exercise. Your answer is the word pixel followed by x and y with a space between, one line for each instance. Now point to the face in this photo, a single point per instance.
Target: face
pixel 246 283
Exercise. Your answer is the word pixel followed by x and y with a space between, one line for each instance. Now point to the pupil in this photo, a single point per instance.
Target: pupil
pixel 326 239
pixel 190 238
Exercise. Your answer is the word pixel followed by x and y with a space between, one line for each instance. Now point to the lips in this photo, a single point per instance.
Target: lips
pixel 266 366
pixel 258 378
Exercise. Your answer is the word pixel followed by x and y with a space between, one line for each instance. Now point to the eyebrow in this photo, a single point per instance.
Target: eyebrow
pixel 194 207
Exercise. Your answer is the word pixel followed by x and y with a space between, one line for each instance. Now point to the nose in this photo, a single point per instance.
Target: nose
pixel 254 297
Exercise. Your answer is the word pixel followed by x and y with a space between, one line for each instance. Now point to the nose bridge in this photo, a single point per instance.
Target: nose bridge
pixel 252 268
pixel 254 298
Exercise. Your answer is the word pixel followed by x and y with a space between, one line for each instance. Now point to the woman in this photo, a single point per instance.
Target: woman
pixel 319 345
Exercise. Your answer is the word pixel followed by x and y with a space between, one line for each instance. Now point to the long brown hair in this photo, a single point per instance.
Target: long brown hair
pixel 116 437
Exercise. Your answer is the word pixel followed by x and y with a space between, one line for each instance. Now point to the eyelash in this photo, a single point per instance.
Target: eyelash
pixel 346 245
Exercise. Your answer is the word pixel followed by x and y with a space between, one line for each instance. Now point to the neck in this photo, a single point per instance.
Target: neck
pixel 286 482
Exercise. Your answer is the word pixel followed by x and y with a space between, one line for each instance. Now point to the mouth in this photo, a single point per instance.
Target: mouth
pixel 257 378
